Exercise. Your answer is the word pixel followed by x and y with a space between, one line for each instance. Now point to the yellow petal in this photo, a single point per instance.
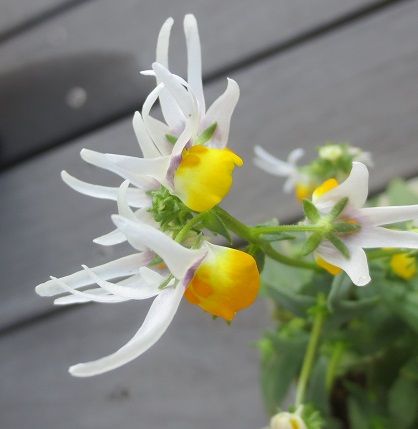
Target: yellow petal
pixel 204 176
pixel 324 188
pixel 302 191
pixel 225 283
pixel 403 265
pixel 332 269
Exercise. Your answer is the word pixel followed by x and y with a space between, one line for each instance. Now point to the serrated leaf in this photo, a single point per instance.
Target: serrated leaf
pixel 311 212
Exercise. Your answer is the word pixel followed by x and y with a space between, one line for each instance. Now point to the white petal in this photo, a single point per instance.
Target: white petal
pixel 378 236
pixel 158 131
pixel 179 93
pixel 151 276
pixel 155 324
pixel 76 299
pixel 135 197
pixel 125 266
pixel 392 214
pixel 154 167
pixel 221 112
pixel 111 238
pixel 100 160
pixel 163 42
pixel 355 188
pixel 194 59
pixel 271 164
pixel 142 290
pixel 148 148
pixel 104 299
pixel 356 266
pixel 295 155
pixel 177 257
pixel 289 185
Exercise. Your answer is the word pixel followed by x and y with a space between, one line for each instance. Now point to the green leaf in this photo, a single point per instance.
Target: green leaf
pixel 258 254
pixel 338 208
pixel 206 135
pixel 311 212
pixel 339 244
pixel 311 243
pixel 403 404
pixel 400 194
pixel 317 391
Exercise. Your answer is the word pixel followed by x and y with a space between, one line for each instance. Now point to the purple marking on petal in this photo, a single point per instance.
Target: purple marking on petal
pixel 174 163
pixel 192 271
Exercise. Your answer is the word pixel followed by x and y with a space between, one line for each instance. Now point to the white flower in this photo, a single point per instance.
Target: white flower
pixel 186 155
pixel 286 420
pixel 277 167
pixel 210 277
pixel 370 220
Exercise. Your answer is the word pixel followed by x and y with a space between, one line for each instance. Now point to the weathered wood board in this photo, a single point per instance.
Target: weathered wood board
pixel 358 84
pixel 201 374
pixel 88 59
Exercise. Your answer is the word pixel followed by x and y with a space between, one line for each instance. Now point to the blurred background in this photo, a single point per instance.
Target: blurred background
pixel 309 71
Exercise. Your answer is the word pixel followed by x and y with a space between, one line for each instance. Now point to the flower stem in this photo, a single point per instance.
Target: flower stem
pixel 182 234
pixel 247 233
pixel 308 361
pixel 278 229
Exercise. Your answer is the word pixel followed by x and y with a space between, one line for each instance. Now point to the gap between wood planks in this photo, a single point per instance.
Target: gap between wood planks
pixel 264 54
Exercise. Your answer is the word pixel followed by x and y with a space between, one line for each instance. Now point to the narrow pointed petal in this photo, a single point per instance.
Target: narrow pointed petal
pixel 295 155
pixel 154 167
pixel 163 42
pixel 194 59
pixel 142 290
pixel 177 257
pixel 135 197
pixel 111 238
pixel 157 321
pixel 271 164
pixel 104 299
pixel 179 93
pixel 221 112
pixel 387 215
pixel 158 131
pixel 383 237
pixel 355 188
pixel 148 148
pixel 76 299
pixel 102 161
pixel 125 266
pixel 356 266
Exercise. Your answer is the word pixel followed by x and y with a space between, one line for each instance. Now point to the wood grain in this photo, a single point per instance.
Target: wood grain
pixel 100 46
pixel 359 84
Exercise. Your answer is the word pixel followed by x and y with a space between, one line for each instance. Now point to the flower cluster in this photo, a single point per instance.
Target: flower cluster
pixel 185 171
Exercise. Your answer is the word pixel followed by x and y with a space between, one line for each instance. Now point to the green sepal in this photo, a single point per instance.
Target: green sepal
pixel 311 212
pixel 206 135
pixel 258 254
pixel 339 245
pixel 311 243
pixel 345 227
pixel 338 208
pixel 214 223
pixel 171 139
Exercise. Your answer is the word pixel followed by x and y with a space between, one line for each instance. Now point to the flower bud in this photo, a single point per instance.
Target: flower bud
pixel 285 420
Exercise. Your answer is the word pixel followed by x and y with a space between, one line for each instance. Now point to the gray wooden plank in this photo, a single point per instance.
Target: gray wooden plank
pixel 64 55
pixel 201 374
pixel 358 84
pixel 15 12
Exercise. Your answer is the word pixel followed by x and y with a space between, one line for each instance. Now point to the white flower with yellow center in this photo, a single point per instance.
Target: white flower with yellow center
pixel 295 180
pixel 220 280
pixel 188 154
pixel 370 234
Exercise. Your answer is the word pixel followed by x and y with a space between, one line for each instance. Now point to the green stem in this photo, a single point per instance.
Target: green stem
pixel 247 234
pixel 278 229
pixel 309 358
pixel 336 356
pixel 182 234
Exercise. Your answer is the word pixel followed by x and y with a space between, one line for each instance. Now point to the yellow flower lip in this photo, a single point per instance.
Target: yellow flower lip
pixel 324 188
pixel 403 265
pixel 332 269
pixel 226 282
pixel 204 176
